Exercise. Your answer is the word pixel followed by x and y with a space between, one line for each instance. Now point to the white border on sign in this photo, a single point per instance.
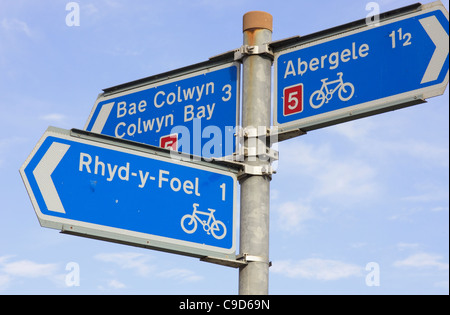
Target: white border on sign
pixel 122 235
pixel 359 109
pixel 106 113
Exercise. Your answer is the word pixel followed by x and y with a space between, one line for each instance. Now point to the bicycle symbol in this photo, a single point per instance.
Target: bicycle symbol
pixel 216 227
pixel 319 97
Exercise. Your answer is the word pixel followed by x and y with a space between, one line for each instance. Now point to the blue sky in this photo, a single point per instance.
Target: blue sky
pixel 373 190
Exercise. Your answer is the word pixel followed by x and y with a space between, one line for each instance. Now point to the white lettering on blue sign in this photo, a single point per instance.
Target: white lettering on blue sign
pixel 112 172
pixel 326 61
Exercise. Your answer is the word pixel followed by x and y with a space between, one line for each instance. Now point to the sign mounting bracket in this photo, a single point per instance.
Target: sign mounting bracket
pixel 248 50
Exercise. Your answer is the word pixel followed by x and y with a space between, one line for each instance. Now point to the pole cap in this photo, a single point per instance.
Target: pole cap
pixel 258 19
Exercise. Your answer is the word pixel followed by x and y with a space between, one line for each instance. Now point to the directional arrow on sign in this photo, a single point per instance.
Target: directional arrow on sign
pixel 360 70
pixel 439 37
pixel 100 187
pixel 43 172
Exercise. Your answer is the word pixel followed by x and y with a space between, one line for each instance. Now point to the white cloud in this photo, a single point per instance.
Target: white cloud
pixel 29 269
pixel 355 131
pixel 3 259
pixel 5 281
pixel 112 284
pixel 16 25
pixel 366 138
pixel 291 215
pixel 307 158
pixel 353 179
pixel 127 260
pixel 405 246
pixel 89 9
pixel 54 117
pixel 140 264
pixel 423 260
pixel 113 4
pixel 438 209
pixel 316 269
pixel 428 193
pixel 330 173
pixel 183 275
pixel 433 154
pixel 9 270
pixel 115 284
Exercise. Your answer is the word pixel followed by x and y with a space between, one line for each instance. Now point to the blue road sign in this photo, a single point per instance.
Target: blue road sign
pixel 86 187
pixel 363 71
pixel 194 113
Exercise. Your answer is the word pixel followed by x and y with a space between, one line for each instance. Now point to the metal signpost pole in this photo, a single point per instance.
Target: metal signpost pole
pixel 255 189
pixel 91 183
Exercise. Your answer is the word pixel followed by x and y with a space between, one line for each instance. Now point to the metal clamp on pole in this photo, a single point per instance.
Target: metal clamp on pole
pixel 258 144
pixel 253 132
pixel 263 153
pixel 266 170
pixel 252 258
pixel 247 50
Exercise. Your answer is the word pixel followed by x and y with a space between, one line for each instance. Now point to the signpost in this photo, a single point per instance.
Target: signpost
pixel 131 195
pixel 362 71
pixel 195 112
pixel 96 183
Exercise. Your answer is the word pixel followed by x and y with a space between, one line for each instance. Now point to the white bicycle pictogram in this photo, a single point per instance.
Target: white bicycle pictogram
pixel 325 94
pixel 216 227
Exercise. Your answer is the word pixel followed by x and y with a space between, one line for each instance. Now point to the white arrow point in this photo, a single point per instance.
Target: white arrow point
pixel 43 172
pixel 439 37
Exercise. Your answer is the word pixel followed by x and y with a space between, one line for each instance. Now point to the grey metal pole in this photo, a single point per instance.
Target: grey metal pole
pixel 255 189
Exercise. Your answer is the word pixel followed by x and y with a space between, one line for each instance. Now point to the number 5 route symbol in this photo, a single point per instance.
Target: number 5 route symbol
pixel 293 99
